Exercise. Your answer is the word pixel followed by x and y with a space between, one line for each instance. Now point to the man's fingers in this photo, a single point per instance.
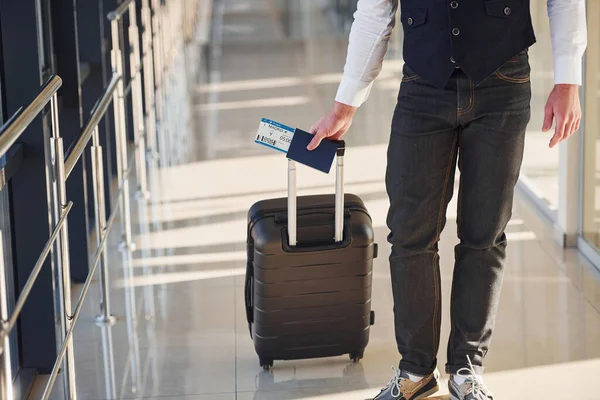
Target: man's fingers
pixel 548 116
pixel 338 135
pixel 578 124
pixel 559 132
pixel 314 127
pixel 316 140
pixel 572 128
pixel 555 140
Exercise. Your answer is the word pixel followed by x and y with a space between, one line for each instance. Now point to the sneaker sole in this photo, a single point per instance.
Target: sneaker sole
pixel 428 393
pixel 423 395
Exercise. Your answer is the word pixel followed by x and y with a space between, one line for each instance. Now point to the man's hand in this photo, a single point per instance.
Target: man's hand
pixel 563 104
pixel 333 125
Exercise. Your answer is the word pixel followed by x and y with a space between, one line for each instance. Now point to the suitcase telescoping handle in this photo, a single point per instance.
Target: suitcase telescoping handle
pixel 339 197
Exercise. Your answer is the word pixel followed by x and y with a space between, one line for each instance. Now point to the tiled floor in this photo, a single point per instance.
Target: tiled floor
pixel 182 332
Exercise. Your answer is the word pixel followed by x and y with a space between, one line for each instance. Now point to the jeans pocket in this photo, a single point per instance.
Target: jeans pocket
pixel 408 75
pixel 516 69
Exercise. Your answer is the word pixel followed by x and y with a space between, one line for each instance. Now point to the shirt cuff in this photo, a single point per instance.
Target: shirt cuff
pixel 353 92
pixel 568 70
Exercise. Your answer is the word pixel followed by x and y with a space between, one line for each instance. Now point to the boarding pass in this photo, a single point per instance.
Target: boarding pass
pixel 274 135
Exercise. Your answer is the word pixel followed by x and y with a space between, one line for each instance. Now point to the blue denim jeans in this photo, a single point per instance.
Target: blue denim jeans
pixel 483 128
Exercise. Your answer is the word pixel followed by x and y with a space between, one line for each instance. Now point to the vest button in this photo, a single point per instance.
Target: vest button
pixel 454 4
pixel 456 31
pixel 507 11
pixel 410 21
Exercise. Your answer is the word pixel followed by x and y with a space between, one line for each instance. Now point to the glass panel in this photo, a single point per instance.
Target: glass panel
pixel 540 163
pixel 591 187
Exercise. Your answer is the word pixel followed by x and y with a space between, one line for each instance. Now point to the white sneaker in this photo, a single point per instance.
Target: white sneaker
pixel 472 388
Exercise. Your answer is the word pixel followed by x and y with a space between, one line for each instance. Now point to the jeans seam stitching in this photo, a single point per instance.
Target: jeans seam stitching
pixel 512 80
pixel 435 307
pixel 471 101
pixel 437 238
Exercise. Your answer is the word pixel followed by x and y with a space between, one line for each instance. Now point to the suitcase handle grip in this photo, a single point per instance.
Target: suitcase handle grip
pixel 339 197
pixel 283 218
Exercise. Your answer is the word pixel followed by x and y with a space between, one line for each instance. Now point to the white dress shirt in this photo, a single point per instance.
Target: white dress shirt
pixel 374 21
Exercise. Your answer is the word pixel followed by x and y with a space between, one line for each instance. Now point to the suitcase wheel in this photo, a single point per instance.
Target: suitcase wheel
pixel 357 356
pixel 265 363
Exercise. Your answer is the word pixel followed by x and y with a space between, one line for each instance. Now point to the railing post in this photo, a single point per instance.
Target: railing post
pixel 152 154
pixel 105 317
pixel 161 83
pixel 121 137
pixel 159 77
pixel 127 246
pixel 149 88
pixel 137 102
pixel 167 52
pixel 6 388
pixel 63 267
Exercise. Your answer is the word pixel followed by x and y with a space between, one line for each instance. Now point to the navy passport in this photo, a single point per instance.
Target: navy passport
pixel 320 158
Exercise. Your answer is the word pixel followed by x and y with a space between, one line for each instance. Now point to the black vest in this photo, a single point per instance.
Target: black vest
pixel 477 35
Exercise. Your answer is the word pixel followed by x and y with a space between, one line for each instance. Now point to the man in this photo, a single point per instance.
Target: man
pixel 465 95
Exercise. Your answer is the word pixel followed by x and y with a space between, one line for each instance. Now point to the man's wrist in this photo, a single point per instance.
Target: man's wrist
pixel 567 87
pixel 342 110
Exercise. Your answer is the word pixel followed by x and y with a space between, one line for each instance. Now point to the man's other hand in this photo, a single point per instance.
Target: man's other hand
pixel 333 125
pixel 564 106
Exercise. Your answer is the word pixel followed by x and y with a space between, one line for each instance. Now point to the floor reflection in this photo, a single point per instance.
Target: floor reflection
pixel 270 385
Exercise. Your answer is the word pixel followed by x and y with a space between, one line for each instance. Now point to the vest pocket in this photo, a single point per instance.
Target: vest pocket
pixel 502 8
pixel 413 17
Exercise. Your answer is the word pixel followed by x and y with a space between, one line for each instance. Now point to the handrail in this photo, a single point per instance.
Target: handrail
pixel 59 167
pixel 34 274
pixel 119 11
pixel 88 129
pixel 9 134
pixel 86 287
pixel 16 125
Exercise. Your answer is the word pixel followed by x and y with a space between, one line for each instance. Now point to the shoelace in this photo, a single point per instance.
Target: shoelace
pixel 395 382
pixel 478 388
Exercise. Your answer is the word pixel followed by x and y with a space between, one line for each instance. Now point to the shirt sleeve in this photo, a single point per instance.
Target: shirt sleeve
pixel 568 31
pixel 374 21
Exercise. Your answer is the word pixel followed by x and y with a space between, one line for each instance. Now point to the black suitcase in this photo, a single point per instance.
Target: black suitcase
pixel 308 285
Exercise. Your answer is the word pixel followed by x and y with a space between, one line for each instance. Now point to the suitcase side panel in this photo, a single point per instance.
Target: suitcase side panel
pixel 310 345
pixel 281 315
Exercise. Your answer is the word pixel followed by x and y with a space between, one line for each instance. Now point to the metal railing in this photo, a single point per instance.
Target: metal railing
pixel 118 63
pixel 90 131
pixel 58 169
pixel 58 241
pixel 150 57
